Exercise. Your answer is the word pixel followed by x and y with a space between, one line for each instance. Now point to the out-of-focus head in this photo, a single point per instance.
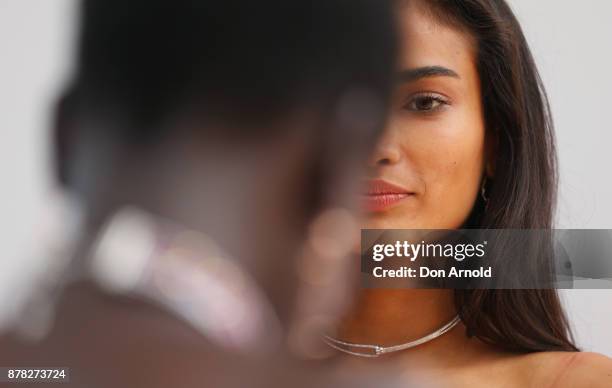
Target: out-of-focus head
pixel 244 120
pixel 241 119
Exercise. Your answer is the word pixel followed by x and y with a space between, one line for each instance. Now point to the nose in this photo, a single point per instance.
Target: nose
pixel 387 152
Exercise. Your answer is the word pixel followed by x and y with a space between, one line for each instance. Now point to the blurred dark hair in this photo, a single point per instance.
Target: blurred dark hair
pixel 522 192
pixel 241 61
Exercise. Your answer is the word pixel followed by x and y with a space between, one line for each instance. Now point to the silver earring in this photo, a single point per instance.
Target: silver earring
pixel 483 190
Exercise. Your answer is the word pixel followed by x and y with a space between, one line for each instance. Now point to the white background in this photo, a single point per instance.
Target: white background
pixel 572 43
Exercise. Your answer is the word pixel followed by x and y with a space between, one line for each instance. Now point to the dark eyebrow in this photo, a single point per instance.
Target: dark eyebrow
pixel 410 75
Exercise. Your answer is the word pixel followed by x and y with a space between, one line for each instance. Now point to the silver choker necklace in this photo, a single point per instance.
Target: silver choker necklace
pixel 368 350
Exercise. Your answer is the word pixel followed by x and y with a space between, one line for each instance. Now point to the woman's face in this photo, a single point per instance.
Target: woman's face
pixel 427 169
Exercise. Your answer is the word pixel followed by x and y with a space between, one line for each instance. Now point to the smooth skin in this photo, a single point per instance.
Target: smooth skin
pixel 436 146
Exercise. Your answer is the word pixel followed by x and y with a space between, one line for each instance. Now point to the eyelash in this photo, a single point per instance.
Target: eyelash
pixel 438 100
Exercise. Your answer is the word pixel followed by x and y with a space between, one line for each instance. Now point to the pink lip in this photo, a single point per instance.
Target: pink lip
pixel 381 195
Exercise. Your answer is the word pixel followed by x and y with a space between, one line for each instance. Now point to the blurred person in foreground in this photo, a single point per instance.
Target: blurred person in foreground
pixel 211 150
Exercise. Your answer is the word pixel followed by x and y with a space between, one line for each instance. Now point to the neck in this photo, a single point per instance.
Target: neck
pixel 394 316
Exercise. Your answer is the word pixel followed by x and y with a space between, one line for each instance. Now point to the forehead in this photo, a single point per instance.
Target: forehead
pixel 425 41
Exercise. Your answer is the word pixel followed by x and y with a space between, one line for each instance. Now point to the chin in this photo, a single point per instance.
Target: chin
pixel 386 220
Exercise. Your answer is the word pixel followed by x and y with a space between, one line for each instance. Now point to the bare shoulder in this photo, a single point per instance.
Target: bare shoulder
pixel 586 370
pixel 570 369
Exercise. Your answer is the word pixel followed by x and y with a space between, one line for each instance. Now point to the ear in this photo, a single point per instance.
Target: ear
pixel 491 147
pixel 64 135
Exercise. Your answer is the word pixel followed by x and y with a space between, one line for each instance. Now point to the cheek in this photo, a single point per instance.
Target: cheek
pixel 449 160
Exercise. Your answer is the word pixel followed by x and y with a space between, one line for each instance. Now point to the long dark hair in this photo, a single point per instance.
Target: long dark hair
pixel 522 193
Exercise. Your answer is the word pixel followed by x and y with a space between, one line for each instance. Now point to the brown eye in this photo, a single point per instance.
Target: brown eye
pixel 426 102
